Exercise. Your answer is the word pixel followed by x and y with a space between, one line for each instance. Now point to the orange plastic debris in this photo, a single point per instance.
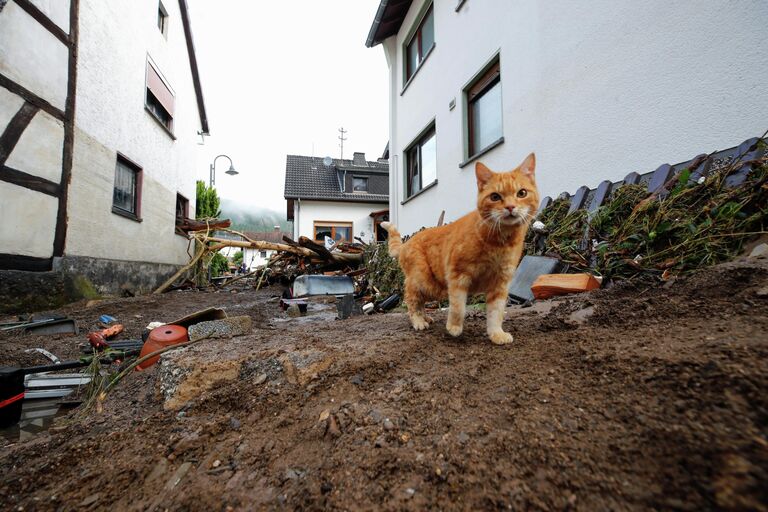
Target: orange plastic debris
pixel 550 285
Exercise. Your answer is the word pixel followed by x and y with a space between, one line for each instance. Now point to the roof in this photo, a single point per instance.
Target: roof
pixel 389 17
pixel 193 66
pixel 273 236
pixel 307 177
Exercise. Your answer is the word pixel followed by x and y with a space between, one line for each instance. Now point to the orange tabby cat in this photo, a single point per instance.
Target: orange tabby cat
pixel 476 254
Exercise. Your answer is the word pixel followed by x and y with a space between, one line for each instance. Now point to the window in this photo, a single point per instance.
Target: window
pixel 420 44
pixel 159 99
pixel 162 19
pixel 182 212
pixel 421 163
pixel 359 184
pixel 126 195
pixel 339 231
pixel 263 254
pixel 484 126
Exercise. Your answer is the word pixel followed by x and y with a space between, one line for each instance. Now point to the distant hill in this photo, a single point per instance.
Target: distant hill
pixel 246 217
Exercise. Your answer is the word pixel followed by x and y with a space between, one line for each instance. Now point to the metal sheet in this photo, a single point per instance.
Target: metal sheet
pixel 529 269
pixel 308 285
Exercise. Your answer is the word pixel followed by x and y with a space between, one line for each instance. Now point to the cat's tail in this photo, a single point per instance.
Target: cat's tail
pixel 395 242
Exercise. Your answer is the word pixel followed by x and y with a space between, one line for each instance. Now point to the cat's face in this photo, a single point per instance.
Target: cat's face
pixel 507 198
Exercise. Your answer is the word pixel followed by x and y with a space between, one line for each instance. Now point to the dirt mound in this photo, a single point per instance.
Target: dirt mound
pixel 624 399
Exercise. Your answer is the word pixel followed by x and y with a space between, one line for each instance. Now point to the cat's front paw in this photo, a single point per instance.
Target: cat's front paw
pixel 501 338
pixel 419 323
pixel 454 330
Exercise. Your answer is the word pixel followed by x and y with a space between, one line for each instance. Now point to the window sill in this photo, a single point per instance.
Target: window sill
pixel 127 215
pixel 417 194
pixel 160 123
pixel 483 151
pixel 416 71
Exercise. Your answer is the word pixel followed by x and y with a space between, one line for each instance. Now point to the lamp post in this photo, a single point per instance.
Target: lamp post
pixel 231 171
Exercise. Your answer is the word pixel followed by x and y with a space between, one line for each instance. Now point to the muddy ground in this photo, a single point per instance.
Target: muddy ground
pixel 630 398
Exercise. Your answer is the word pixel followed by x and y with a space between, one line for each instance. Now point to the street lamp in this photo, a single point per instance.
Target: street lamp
pixel 231 171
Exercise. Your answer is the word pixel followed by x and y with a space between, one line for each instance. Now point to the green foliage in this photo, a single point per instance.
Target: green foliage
pixel 237 259
pixel 694 226
pixel 218 264
pixel 207 202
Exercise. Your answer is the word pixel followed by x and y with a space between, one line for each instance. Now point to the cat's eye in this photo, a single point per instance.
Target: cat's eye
pixel 495 197
pixel 522 193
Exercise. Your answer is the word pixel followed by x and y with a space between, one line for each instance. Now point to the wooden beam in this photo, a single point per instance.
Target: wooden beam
pixel 15 128
pixel 22 179
pixel 31 97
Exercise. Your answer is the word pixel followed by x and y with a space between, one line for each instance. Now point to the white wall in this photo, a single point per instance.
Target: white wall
pixel 31 56
pixel 307 212
pixel 597 89
pixel 115 39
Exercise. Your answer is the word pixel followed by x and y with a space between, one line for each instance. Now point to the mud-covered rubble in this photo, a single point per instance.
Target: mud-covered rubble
pixel 621 399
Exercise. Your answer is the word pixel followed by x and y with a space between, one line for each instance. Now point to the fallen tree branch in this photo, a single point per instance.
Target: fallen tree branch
pixel 181 271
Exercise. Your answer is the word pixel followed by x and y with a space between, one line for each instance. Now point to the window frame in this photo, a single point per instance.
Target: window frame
pixel 415 148
pixel 367 182
pixel 138 182
pixel 333 224
pixel 422 53
pixel 152 101
pixel 162 19
pixel 481 83
pixel 185 213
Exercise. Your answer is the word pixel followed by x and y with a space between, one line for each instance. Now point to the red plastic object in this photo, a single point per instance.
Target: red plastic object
pixel 161 337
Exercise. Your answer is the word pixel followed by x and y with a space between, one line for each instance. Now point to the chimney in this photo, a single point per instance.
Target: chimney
pixel 358 159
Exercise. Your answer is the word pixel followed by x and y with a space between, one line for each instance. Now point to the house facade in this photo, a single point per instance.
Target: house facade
pixel 101 110
pixel 341 199
pixel 595 89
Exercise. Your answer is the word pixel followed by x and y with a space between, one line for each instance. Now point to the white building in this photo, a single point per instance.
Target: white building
pixel 597 89
pixel 342 199
pixel 101 110
pixel 254 258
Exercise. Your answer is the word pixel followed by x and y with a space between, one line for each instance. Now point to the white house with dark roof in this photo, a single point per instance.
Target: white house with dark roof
pixel 597 89
pixel 342 199
pixel 101 112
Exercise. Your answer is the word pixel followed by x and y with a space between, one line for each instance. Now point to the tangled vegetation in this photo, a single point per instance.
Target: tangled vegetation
pixel 383 270
pixel 697 224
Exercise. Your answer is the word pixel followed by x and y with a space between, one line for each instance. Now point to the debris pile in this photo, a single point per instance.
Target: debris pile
pixel 687 224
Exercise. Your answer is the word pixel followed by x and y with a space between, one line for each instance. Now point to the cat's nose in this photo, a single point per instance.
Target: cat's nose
pixel 511 209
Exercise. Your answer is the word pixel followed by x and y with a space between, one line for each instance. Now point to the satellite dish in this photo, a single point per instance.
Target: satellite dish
pixel 327 161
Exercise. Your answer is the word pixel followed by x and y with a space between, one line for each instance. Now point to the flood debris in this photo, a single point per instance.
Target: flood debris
pixel 551 285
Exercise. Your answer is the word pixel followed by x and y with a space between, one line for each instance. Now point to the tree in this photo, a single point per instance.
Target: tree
pixel 208 202
pixel 237 259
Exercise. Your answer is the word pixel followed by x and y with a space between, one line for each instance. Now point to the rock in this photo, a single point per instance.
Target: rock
pixel 375 416
pixel 462 437
pixel 261 379
pixel 216 463
pixel 760 251
pixel 762 292
pixel 581 316
pixel 234 423
pixel 90 500
pixel 325 488
pixel 388 425
pixel 224 328
pixel 333 426
pixel 324 415
pixel 182 380
pixel 302 366
pixel 380 441
pixel 357 380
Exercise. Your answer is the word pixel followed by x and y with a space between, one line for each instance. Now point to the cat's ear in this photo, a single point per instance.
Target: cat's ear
pixel 528 167
pixel 483 175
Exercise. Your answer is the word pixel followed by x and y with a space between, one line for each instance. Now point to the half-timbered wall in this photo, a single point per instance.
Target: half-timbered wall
pixel 37 81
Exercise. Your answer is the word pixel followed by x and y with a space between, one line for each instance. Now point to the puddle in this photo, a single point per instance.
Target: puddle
pixel 37 416
pixel 316 312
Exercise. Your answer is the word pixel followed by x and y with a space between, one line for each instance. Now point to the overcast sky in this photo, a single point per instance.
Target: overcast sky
pixel 281 76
